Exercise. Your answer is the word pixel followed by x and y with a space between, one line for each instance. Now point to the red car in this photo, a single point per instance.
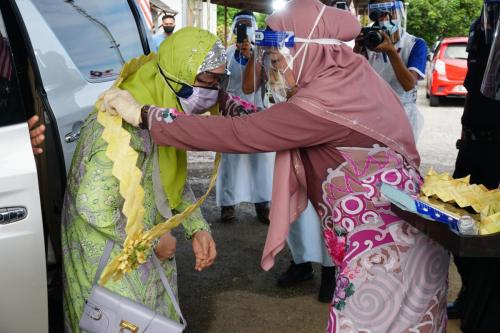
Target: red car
pixel 448 69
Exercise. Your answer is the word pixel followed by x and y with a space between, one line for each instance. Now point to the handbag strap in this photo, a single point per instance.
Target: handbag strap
pixel 156 262
pixel 104 260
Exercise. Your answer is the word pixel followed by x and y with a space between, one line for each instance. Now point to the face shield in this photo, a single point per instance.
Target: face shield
pixel 274 62
pixel 241 22
pixel 491 81
pixel 390 15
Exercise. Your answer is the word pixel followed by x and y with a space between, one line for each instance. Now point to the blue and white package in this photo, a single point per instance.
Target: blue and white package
pixel 436 214
pixel 269 38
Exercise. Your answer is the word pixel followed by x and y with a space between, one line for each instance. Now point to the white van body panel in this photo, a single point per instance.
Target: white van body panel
pixel 23 302
pixel 71 97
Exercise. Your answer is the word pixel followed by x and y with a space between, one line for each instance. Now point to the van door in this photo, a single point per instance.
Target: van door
pixel 23 286
pixel 80 47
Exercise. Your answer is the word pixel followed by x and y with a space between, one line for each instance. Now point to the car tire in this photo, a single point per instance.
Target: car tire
pixel 434 100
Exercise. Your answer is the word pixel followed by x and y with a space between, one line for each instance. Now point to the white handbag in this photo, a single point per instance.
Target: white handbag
pixel 107 312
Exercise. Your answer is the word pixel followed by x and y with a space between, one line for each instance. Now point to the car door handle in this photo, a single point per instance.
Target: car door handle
pixel 75 132
pixel 72 136
pixel 12 214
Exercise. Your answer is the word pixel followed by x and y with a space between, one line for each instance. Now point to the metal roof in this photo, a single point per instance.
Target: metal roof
pixel 163 7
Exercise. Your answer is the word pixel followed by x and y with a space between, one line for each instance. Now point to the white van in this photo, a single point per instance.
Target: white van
pixel 60 55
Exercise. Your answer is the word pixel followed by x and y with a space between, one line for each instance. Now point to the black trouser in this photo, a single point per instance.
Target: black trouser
pixel 479 300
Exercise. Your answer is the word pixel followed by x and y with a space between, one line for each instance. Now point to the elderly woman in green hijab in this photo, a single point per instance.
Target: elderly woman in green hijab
pixel 185 75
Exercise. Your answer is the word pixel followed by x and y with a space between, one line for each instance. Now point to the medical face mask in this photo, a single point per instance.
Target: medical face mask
pixel 200 101
pixel 390 15
pixel 251 33
pixel 193 99
pixel 279 88
pixel 391 26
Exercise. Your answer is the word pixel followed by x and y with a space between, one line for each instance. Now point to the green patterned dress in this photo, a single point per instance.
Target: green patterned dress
pixel 92 216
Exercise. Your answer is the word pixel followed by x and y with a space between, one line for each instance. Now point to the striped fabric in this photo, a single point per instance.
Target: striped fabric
pixel 146 10
pixel 5 61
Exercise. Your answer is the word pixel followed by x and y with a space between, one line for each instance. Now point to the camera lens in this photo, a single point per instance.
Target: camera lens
pixel 373 39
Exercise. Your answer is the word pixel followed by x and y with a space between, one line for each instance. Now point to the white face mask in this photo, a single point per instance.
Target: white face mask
pixel 279 90
pixel 200 101
pixel 391 26
pixel 251 34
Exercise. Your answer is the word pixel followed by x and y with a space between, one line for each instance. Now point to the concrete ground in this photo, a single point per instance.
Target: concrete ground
pixel 235 295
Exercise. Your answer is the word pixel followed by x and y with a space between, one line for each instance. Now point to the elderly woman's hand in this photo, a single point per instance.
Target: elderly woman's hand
pixel 204 250
pixel 166 247
pixel 121 102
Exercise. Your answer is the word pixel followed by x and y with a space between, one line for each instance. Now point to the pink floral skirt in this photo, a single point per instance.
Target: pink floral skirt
pixel 391 277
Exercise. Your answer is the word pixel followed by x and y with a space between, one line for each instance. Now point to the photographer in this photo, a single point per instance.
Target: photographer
pixel 398 57
pixel 244 177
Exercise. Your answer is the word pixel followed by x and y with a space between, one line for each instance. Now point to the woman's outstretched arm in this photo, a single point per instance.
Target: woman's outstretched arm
pixel 281 127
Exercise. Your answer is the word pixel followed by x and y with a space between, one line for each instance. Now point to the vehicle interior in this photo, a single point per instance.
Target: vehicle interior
pixel 50 164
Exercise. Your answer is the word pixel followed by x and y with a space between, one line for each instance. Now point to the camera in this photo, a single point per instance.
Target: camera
pixel 341 5
pixel 241 33
pixel 372 36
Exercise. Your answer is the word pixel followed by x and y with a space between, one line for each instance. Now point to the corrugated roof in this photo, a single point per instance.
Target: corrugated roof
pixel 163 7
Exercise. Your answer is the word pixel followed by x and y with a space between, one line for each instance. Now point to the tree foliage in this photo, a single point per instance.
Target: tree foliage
pixel 434 19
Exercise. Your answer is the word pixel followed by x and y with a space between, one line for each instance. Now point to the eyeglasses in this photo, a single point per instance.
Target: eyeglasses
pixel 212 79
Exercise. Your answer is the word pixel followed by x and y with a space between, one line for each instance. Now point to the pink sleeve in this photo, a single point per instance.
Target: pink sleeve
pixel 281 127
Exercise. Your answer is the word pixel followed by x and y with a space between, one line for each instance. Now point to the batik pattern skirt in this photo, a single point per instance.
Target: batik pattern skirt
pixel 391 277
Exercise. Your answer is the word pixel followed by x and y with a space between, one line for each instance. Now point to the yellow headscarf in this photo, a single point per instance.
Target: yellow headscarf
pixel 180 57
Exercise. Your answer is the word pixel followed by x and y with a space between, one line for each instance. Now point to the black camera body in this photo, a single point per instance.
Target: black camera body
pixel 241 33
pixel 372 36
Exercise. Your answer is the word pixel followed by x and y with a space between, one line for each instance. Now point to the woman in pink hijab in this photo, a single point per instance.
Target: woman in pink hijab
pixel 341 134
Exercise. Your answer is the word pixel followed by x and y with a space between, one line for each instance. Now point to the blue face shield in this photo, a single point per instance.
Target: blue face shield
pixel 390 15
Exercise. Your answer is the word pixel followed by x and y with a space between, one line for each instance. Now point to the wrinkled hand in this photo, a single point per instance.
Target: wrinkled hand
pixel 116 101
pixel 166 247
pixel 386 46
pixel 36 134
pixel 204 250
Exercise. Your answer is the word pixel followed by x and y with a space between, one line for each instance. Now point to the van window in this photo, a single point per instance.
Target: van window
pixel 456 51
pixel 98 35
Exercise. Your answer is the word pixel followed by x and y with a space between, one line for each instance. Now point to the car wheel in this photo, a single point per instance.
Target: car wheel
pixel 434 100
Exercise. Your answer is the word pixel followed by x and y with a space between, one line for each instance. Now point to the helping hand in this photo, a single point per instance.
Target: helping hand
pixel 204 250
pixel 116 101
pixel 166 247
pixel 386 46
pixel 36 134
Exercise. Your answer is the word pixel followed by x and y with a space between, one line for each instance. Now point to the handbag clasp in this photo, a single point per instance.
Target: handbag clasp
pixel 126 326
